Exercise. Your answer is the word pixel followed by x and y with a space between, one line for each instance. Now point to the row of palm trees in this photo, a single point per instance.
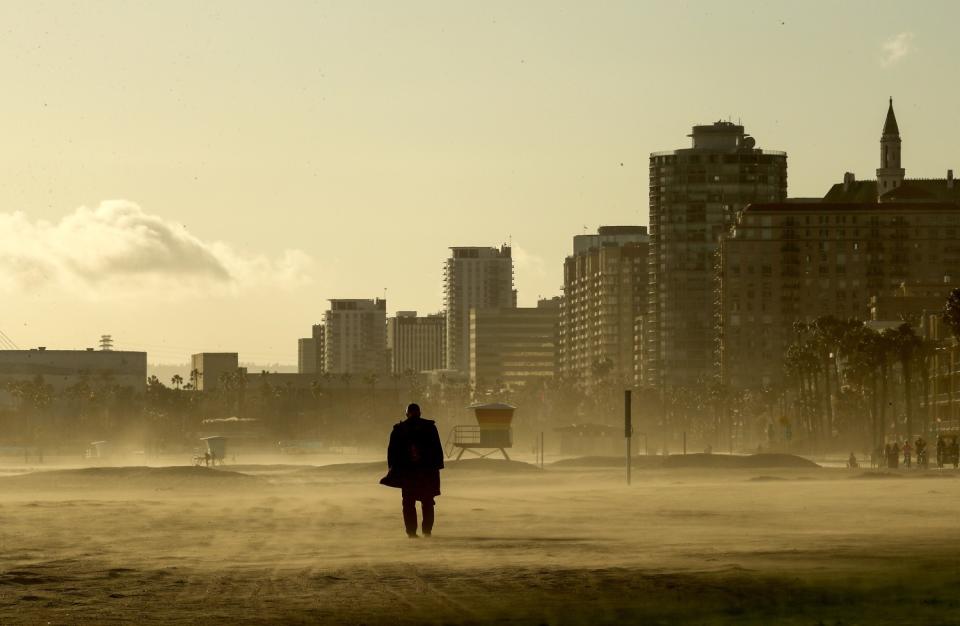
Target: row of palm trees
pixel 835 362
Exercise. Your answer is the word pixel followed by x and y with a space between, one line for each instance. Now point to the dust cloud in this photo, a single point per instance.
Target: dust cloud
pixel 790 542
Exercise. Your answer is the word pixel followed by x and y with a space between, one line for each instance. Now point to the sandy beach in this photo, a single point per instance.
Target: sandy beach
pixel 514 544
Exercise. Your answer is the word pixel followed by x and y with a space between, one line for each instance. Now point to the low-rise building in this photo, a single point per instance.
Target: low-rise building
pixel 311 352
pixel 511 347
pixel 64 368
pixel 910 303
pixel 208 368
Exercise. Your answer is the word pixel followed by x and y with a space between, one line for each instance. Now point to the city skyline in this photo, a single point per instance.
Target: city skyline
pixel 248 195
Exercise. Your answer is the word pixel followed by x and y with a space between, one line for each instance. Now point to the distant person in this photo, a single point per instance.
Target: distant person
pixel 907 453
pixel 894 458
pixel 955 452
pixel 886 455
pixel 940 450
pixel 921 448
pixel 852 461
pixel 415 458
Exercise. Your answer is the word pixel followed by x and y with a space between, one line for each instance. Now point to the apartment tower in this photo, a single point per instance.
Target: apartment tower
pixel 695 194
pixel 604 292
pixel 416 344
pixel 355 336
pixel 474 278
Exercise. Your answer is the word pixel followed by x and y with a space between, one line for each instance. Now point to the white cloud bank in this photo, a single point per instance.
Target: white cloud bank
pixel 896 48
pixel 119 249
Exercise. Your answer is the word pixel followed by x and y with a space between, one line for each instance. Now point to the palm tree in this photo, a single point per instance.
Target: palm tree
pixel 804 361
pixel 925 354
pixel 906 344
pixel 826 333
pixel 951 317
pixel 195 377
pixel 860 374
pixel 883 348
pixel 176 381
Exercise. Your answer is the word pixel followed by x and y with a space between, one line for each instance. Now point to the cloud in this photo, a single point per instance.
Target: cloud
pixel 119 249
pixel 896 48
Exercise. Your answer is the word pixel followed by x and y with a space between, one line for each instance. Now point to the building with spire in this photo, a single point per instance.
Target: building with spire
pixel 890 174
pixel 891 184
pixel 864 242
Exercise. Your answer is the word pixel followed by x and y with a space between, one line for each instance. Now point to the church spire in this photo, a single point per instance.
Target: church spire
pixel 889 174
pixel 890 126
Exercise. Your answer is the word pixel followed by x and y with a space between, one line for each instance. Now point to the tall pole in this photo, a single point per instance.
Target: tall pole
pixel 627 428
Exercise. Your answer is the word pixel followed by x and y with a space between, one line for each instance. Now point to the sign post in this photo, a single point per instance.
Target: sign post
pixel 627 428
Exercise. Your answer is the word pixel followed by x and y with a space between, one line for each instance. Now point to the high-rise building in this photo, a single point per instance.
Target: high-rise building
pixel 604 292
pixel 310 352
pixel 474 278
pixel 511 347
pixel 355 336
pixel 416 344
pixel 869 249
pixel 695 194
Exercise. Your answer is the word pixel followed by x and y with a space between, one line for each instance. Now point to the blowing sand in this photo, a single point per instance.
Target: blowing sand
pixel 513 544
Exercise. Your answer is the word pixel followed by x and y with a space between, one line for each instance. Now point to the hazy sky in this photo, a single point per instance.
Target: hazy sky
pixel 204 175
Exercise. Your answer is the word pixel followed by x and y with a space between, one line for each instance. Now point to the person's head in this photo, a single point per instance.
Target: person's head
pixel 413 411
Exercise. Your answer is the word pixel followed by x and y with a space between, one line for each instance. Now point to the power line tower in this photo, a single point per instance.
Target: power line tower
pixel 106 343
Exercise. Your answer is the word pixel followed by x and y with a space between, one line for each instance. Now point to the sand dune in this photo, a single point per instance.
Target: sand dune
pixel 98 478
pixel 736 461
pixel 727 461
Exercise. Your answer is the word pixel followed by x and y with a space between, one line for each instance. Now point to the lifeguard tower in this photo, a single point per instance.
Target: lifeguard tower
pixel 492 433
pixel 216 449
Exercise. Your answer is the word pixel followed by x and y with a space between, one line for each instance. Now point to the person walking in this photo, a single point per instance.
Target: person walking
pixel 414 459
pixel 907 453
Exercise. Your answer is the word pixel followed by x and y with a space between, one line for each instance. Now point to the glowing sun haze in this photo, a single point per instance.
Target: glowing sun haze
pixel 204 176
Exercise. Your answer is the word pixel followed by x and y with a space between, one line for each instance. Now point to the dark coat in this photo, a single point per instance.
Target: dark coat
pixel 415 458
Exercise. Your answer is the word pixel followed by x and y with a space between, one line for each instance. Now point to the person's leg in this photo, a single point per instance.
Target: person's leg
pixel 410 514
pixel 427 505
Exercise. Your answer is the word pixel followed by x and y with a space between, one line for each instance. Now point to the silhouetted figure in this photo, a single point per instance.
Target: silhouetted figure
pixel 415 458
pixel 921 447
pixel 907 453
pixel 955 452
pixel 894 458
pixel 886 455
pixel 941 445
pixel 852 461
